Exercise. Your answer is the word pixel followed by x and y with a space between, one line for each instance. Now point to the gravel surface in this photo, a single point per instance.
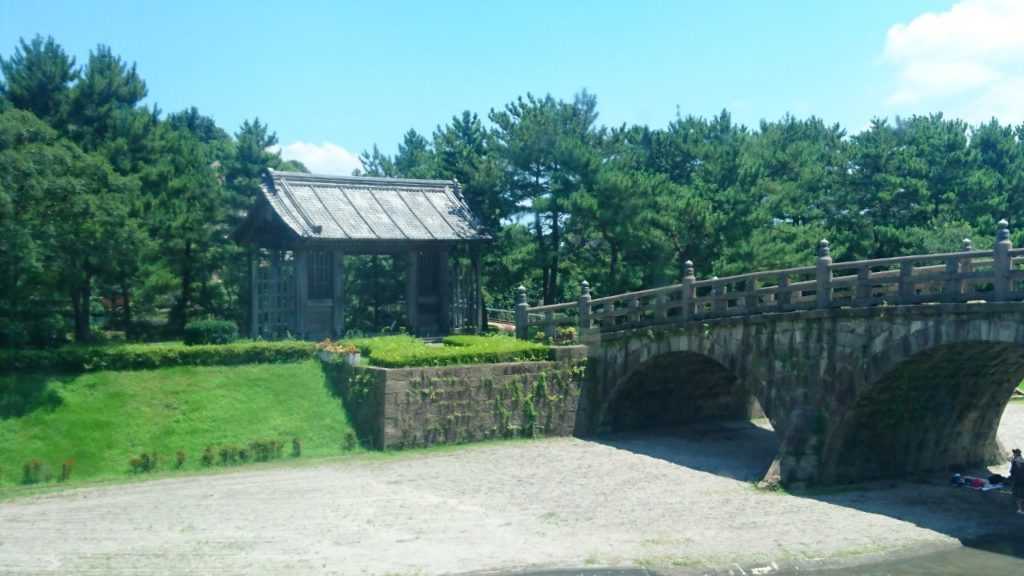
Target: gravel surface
pixel 670 503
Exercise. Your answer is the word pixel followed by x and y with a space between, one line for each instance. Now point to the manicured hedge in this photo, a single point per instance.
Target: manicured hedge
pixel 406 351
pixel 210 332
pixel 148 356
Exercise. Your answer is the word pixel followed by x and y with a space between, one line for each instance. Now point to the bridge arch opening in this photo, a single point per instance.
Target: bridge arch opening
pixel 676 389
pixel 937 410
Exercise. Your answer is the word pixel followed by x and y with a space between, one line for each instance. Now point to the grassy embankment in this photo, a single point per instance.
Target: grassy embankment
pixel 103 419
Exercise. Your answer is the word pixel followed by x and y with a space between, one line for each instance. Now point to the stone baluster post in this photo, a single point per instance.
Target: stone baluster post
pixel 634 311
pixel 549 325
pixel 750 299
pixel 660 303
pixel 951 288
pixel 1001 262
pixel 584 306
pixel 522 316
pixel 863 283
pixel 718 292
pixel 905 289
pixel 783 299
pixel 689 292
pixel 823 275
pixel 966 268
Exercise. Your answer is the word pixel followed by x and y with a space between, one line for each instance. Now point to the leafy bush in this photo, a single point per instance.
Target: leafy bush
pixel 208 456
pixel 407 351
pixel 266 450
pixel 150 356
pixel 32 472
pixel 145 462
pixel 65 469
pixel 210 332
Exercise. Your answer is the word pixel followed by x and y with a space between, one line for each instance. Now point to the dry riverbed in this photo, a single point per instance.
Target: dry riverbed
pixel 672 503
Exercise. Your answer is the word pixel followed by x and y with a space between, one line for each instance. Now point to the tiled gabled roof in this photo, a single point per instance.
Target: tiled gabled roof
pixel 366 209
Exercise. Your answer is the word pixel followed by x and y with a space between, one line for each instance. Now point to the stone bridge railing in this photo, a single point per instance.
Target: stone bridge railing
pixel 995 275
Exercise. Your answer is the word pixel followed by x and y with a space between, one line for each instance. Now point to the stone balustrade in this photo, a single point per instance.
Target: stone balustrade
pixel 995 275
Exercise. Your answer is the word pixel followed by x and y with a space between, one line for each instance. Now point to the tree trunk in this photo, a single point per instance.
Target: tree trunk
pixel 551 293
pixel 126 318
pixel 376 291
pixel 613 265
pixel 186 288
pixel 80 303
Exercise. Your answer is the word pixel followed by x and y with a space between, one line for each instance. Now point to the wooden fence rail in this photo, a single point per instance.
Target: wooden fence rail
pixel 995 275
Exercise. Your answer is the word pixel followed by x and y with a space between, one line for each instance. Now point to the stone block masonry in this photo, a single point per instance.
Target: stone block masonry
pixel 394 408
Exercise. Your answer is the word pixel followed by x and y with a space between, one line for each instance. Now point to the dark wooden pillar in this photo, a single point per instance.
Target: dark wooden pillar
pixel 254 295
pixel 273 283
pixel 444 292
pixel 479 314
pixel 338 306
pixel 301 291
pixel 412 291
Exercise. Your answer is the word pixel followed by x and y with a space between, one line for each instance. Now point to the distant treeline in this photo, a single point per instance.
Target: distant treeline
pixel 112 210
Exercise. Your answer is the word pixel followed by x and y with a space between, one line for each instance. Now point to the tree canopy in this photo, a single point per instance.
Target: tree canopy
pixel 114 214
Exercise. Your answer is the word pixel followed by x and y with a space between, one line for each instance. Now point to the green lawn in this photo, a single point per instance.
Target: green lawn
pixel 103 419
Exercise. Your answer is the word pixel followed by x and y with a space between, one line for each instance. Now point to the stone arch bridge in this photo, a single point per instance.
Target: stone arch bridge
pixel 866 369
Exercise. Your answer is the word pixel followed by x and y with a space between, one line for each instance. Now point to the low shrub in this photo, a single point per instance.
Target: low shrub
pixel 208 456
pixel 74 359
pixel 464 350
pixel 228 455
pixel 350 440
pixel 32 472
pixel 266 450
pixel 210 332
pixel 65 469
pixel 179 459
pixel 408 351
pixel 145 462
pixel 296 447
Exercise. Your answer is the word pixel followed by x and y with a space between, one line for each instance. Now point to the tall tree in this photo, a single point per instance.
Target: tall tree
pixel 64 223
pixel 549 148
pixel 37 78
pixel 108 89
pixel 466 152
pixel 243 172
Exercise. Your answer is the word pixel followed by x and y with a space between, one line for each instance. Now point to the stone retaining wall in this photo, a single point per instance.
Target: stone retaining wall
pixel 406 407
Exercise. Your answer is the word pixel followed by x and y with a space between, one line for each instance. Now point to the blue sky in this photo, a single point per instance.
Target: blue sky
pixel 334 78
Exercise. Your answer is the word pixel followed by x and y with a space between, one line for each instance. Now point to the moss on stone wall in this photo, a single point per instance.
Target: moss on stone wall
pixel 401 408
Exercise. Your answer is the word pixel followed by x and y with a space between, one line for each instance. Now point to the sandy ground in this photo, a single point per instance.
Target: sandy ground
pixel 670 503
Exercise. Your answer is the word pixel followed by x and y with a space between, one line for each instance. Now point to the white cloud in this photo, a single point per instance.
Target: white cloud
pixel 970 57
pixel 327 158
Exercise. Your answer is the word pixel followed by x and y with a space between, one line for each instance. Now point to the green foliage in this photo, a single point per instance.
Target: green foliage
pixel 37 77
pixel 210 332
pixel 102 198
pixel 405 351
pixel 74 359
